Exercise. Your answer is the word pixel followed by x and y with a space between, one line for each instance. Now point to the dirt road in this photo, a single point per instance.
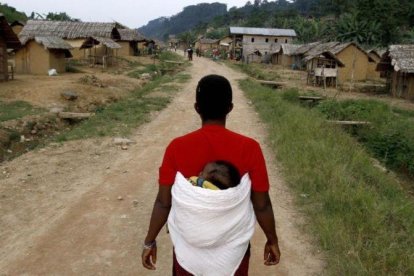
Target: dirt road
pixel 83 208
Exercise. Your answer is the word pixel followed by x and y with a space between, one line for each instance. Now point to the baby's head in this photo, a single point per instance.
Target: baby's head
pixel 223 174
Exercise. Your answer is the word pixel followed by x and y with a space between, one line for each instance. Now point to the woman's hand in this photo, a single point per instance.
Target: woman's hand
pixel 149 256
pixel 271 254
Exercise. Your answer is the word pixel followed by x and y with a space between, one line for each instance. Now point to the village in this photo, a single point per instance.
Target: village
pixel 56 77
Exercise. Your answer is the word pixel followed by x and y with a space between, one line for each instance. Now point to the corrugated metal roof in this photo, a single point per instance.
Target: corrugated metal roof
pixel 262 31
pixel 50 42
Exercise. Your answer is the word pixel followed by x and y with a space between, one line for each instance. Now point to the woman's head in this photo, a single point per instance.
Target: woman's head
pixel 214 97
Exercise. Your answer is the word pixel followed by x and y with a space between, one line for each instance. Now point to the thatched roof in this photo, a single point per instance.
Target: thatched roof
pixel 289 49
pixel 92 41
pixel 6 32
pixel 402 57
pixel 305 48
pixel 68 30
pixel 52 42
pixel 209 41
pixel 262 31
pixel 130 35
pixel 325 55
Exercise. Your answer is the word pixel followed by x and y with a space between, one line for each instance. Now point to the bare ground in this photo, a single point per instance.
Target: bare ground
pixel 83 207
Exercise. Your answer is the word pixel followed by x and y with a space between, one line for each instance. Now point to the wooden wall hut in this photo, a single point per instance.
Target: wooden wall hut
pixel 75 33
pixel 101 50
pixel 398 65
pixel 285 55
pixel 262 40
pixel 8 40
pixel 41 54
pixel 323 69
pixel 129 42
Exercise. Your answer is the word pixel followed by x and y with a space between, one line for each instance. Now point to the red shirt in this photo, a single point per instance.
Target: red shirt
pixel 189 154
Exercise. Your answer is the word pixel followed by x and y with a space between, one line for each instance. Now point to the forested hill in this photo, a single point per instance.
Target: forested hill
pixel 12 14
pixel 190 17
pixel 368 22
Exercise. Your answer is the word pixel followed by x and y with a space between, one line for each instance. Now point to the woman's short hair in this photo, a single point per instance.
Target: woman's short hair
pixel 214 96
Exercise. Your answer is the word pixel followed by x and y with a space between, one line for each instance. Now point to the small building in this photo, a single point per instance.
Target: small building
pixel 323 69
pixel 225 44
pixel 260 40
pixel 375 57
pixel 355 59
pixel 397 64
pixel 204 44
pixel 74 33
pixel 41 54
pixel 101 50
pixel 173 42
pixel 352 56
pixel 285 55
pixel 129 42
pixel 8 40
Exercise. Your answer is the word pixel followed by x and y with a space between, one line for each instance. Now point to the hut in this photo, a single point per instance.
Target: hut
pixel 375 57
pixel 397 64
pixel 8 40
pixel 205 44
pixel 101 50
pixel 284 56
pixel 323 69
pixel 352 56
pixel 75 33
pixel 173 42
pixel 355 60
pixel 129 42
pixel 41 54
pixel 260 40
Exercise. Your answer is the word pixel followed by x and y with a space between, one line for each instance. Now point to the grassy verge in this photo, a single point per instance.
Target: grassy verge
pixel 361 216
pixel 124 115
pixel 16 110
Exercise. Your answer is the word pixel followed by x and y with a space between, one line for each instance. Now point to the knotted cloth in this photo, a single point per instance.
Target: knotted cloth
pixel 210 229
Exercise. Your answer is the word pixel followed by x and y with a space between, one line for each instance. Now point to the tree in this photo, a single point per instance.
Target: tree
pixel 62 16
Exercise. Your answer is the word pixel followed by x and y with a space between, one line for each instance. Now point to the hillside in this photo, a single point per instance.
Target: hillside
pixel 11 13
pixel 368 22
pixel 190 17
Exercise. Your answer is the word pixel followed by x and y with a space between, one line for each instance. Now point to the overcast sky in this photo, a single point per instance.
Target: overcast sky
pixel 132 13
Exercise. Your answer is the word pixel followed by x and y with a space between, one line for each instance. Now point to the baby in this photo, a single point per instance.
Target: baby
pixel 217 175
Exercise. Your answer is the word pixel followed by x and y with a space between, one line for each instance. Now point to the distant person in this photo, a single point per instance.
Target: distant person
pixel 211 230
pixel 190 53
pixel 217 175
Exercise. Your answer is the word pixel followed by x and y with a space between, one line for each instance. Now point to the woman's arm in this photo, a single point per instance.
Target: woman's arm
pixel 160 212
pixel 262 206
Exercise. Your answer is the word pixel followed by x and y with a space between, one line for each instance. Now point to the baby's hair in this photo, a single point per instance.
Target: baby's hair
pixel 224 169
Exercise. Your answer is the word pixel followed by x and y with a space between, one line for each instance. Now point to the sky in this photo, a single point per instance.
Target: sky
pixel 132 13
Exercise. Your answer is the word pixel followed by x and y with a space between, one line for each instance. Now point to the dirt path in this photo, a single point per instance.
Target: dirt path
pixel 61 213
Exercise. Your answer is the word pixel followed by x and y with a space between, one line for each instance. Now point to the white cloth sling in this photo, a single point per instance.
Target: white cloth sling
pixel 211 229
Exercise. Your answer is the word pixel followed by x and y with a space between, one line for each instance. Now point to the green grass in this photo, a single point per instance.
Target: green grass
pixel 121 117
pixel 362 218
pixel 390 137
pixel 255 70
pixel 16 110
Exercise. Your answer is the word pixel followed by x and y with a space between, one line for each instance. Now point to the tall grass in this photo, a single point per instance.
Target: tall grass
pixel 363 219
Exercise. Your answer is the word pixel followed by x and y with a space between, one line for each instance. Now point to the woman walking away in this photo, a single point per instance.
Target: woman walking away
pixel 211 229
